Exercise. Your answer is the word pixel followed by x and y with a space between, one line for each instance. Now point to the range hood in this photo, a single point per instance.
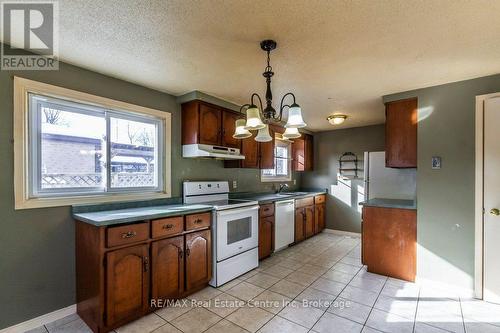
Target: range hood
pixel 208 151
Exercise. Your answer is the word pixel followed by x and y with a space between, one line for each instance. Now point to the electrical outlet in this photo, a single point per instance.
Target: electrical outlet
pixel 295 182
pixel 235 184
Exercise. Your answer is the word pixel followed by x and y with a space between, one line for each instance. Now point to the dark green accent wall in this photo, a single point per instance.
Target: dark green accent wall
pixel 328 147
pixel 445 198
pixel 37 266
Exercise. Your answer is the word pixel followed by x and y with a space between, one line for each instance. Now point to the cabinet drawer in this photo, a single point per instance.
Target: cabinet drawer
pixel 127 234
pixel 197 221
pixel 304 202
pixel 167 226
pixel 319 199
pixel 267 210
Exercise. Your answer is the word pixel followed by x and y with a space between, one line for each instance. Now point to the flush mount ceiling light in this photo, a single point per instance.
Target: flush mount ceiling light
pixel 336 119
pixel 256 119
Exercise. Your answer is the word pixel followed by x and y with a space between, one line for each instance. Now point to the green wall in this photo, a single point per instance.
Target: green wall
pixel 342 213
pixel 37 266
pixel 445 198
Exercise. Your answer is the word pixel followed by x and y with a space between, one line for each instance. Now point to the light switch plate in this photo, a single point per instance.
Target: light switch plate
pixel 436 162
pixel 235 184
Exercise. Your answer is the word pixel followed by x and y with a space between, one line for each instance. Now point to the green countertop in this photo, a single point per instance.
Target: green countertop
pixel 265 198
pixel 119 216
pixel 110 216
pixel 390 203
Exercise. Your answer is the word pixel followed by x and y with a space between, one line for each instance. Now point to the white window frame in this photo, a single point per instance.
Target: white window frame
pixel 23 171
pixel 288 178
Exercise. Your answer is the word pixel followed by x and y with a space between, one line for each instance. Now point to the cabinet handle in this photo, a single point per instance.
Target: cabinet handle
pixel 129 234
pixel 188 252
pixel 181 253
pixel 198 221
pixel 168 226
pixel 146 264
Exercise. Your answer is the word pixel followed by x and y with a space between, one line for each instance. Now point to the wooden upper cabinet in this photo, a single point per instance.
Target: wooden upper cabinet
pixel 250 149
pixel 198 259
pixel 309 152
pixel 298 155
pixel 127 284
pixel 167 268
pixel 303 153
pixel 401 134
pixel 210 125
pixel 267 152
pixel 228 128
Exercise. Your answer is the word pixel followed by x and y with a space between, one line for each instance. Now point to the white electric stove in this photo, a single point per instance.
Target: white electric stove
pixel 235 230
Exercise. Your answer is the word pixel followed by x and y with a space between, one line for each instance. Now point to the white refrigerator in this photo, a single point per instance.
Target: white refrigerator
pixel 387 183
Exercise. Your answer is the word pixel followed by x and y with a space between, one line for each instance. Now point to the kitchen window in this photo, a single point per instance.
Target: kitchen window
pixel 282 170
pixel 79 148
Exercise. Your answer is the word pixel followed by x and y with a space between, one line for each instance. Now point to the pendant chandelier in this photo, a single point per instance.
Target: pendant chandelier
pixel 259 119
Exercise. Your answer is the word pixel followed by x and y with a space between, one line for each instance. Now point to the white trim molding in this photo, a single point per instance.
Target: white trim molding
pixel 479 195
pixel 22 87
pixel 41 320
pixel 343 233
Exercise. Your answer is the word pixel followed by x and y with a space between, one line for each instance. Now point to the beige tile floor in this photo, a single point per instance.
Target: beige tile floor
pixel 319 286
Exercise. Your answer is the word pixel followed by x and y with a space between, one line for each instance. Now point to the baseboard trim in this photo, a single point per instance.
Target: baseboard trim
pixel 41 320
pixel 343 233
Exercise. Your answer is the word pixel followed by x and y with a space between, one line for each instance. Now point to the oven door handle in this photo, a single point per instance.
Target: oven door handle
pixel 237 211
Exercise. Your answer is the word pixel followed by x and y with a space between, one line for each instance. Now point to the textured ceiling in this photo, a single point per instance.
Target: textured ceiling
pixel 337 56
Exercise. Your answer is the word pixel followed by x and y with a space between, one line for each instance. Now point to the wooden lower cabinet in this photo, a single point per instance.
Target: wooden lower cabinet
pixel 198 259
pixel 266 236
pixel 119 283
pixel 167 268
pixel 389 242
pixel 304 223
pixel 319 218
pixel 309 221
pixel 300 219
pixel 127 274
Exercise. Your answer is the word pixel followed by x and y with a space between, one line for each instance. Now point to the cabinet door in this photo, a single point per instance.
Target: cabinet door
pixel 401 134
pixel 127 275
pixel 299 224
pixel 228 128
pixel 266 236
pixel 267 152
pixel 167 267
pixel 250 148
pixel 309 221
pixel 390 233
pixel 298 153
pixel 309 152
pixel 210 125
pixel 319 218
pixel 198 259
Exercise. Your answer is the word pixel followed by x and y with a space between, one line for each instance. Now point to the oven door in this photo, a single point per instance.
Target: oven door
pixel 237 231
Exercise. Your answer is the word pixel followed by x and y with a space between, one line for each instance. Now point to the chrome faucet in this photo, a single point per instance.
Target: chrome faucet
pixel 282 187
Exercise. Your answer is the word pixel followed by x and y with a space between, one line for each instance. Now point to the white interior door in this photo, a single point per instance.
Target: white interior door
pixel 491 179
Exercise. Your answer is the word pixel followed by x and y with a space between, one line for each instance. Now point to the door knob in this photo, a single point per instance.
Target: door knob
pixel 495 211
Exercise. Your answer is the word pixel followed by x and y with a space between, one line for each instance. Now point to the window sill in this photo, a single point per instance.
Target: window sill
pixel 89 199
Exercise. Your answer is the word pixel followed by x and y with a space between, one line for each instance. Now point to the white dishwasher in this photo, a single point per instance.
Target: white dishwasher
pixel 284 225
